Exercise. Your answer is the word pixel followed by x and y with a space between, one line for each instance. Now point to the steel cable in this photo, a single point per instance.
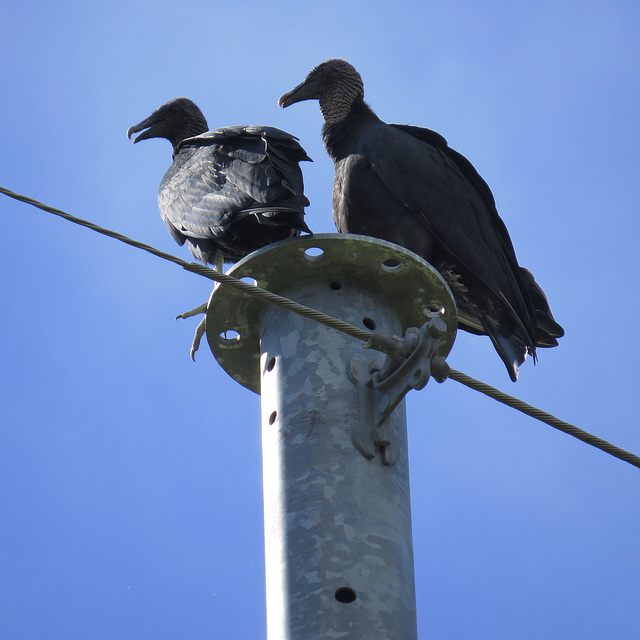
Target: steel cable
pixel 360 334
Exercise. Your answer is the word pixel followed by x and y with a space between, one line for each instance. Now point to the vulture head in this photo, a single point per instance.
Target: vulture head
pixel 175 120
pixel 334 83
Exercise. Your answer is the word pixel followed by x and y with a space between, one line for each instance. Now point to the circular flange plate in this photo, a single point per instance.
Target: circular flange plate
pixel 404 280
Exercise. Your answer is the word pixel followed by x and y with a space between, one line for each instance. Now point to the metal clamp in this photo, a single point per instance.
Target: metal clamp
pixel 383 381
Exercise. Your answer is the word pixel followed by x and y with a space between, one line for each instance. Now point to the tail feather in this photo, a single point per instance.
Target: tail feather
pixel 512 351
pixel 547 329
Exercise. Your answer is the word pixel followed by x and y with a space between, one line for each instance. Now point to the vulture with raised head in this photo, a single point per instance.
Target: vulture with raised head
pixel 229 191
pixel 404 184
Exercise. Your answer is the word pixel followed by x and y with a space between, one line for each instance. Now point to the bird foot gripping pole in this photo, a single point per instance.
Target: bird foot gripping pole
pixel 338 544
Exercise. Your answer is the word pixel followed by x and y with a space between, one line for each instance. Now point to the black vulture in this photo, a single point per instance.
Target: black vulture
pixel 229 191
pixel 405 184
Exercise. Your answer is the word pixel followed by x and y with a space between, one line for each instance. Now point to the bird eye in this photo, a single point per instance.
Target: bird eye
pixel 319 72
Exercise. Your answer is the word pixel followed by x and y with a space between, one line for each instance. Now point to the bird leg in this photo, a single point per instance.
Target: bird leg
pixel 201 328
pixel 193 312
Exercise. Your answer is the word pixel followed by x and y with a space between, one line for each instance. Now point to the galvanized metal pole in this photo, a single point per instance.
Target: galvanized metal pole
pixel 338 544
pixel 338 525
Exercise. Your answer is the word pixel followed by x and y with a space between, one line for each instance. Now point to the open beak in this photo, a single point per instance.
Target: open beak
pixel 147 124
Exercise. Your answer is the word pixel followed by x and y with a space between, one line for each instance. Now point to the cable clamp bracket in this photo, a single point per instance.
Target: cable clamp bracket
pixel 384 380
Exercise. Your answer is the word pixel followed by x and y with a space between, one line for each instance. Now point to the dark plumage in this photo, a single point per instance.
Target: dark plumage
pixel 229 191
pixel 406 185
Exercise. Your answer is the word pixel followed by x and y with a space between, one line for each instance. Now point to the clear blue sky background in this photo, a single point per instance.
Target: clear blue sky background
pixel 131 478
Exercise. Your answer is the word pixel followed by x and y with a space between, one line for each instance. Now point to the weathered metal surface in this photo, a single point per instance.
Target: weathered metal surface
pixel 338 544
pixel 401 278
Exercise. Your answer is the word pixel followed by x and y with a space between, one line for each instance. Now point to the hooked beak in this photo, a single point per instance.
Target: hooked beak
pixel 147 124
pixel 306 90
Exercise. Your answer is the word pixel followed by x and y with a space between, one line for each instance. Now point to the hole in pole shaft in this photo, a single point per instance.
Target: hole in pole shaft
pixel 345 595
pixel 369 323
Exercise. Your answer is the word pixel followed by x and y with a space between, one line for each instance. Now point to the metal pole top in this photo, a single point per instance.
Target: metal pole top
pixel 407 282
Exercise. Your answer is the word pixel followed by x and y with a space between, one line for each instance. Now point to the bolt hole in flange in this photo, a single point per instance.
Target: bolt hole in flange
pixel 336 286
pixel 391 265
pixel 345 595
pixel 271 363
pixel 313 254
pixel 434 309
pixel 229 338
pixel 272 417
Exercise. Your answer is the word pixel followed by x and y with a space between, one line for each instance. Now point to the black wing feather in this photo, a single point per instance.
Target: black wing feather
pixel 431 185
pixel 413 191
pixel 224 176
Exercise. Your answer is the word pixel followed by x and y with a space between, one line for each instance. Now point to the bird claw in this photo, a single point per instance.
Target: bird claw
pixel 200 329
pixel 194 312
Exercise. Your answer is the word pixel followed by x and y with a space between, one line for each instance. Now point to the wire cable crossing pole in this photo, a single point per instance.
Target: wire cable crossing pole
pixel 339 325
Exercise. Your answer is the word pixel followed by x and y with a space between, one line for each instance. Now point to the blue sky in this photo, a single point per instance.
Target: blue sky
pixel 130 478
